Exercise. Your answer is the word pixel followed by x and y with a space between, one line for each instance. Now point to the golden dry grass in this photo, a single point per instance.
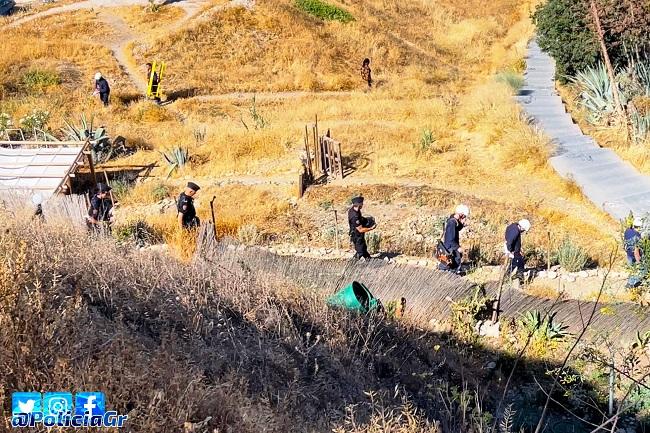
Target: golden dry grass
pixel 434 65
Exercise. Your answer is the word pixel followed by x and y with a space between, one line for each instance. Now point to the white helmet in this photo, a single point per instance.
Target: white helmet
pixel 98 75
pixel 462 209
pixel 524 224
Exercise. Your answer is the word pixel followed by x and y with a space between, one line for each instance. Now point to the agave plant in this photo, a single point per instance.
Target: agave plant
pixel 641 125
pixel 176 158
pixel 596 92
pixel 546 328
pixel 102 149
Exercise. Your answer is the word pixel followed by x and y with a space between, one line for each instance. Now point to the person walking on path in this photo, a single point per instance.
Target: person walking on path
pixel 631 239
pixel 187 218
pixel 366 72
pixel 359 226
pixel 102 89
pixel 154 79
pixel 451 239
pixel 513 247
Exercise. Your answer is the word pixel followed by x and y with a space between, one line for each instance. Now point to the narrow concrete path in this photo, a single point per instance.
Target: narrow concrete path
pixel 609 182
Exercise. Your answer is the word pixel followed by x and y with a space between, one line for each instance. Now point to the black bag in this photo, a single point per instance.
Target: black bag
pixel 443 255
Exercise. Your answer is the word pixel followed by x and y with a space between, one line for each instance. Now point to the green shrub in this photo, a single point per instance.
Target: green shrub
pixel 426 140
pixel 137 231
pixel 562 31
pixel 373 240
pixel 120 187
pixel 160 192
pixel 512 79
pixel 5 122
pixel 248 234
pixel 36 80
pixel 571 257
pixel 36 120
pixel 324 10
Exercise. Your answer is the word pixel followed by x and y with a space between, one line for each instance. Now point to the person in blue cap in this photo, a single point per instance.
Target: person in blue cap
pixel 187 218
pixel 359 226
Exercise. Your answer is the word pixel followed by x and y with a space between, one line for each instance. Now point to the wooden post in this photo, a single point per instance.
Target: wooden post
pixel 89 155
pixel 338 146
pixel 330 153
pixel 300 184
pixel 111 191
pixel 336 229
pixel 317 147
pixel 308 165
pixel 548 252
pixel 214 219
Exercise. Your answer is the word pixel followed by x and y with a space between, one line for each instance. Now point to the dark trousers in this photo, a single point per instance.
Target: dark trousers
pixel 517 263
pixel 359 241
pixel 104 97
pixel 192 224
pixel 103 228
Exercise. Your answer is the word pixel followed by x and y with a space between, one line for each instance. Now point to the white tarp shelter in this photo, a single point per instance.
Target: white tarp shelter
pixel 40 170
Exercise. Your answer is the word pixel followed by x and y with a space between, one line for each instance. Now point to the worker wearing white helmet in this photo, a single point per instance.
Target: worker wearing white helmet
pixel 451 239
pixel 513 246
pixel 102 89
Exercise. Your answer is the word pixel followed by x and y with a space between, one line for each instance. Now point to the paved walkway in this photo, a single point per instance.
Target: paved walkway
pixel 609 182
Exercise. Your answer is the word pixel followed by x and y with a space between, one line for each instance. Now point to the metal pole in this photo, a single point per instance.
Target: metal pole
pixel 336 229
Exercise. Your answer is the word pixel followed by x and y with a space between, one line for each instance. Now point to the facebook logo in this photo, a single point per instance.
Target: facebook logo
pixel 89 404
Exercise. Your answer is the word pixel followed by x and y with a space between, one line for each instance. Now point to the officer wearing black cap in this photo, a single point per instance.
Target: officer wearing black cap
pixel 100 211
pixel 359 226
pixel 186 212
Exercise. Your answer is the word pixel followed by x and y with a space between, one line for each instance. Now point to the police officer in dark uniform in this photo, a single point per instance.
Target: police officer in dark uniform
pixel 359 226
pixel 186 212
pixel 100 211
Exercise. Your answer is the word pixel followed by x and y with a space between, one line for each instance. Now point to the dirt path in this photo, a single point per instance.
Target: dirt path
pixel 194 11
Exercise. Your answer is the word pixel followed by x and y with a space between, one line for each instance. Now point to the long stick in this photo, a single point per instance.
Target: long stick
pixel 111 191
pixel 497 310
pixel 548 253
pixel 336 229
pixel 214 220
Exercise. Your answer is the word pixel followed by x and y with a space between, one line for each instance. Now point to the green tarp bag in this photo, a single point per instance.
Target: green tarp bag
pixel 354 297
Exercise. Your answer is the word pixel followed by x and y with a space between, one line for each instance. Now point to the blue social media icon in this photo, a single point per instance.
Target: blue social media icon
pixel 89 404
pixel 57 406
pixel 26 402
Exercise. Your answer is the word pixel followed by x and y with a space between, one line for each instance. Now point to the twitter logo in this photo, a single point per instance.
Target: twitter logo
pixel 26 402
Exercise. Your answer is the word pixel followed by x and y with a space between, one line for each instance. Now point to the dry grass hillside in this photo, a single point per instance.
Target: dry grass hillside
pixel 440 116
pixel 199 348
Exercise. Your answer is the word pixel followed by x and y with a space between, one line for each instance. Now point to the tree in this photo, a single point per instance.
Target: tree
pixel 626 24
pixel 563 32
pixel 600 35
pixel 571 32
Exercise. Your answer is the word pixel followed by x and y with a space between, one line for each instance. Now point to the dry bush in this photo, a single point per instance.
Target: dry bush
pixel 172 344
